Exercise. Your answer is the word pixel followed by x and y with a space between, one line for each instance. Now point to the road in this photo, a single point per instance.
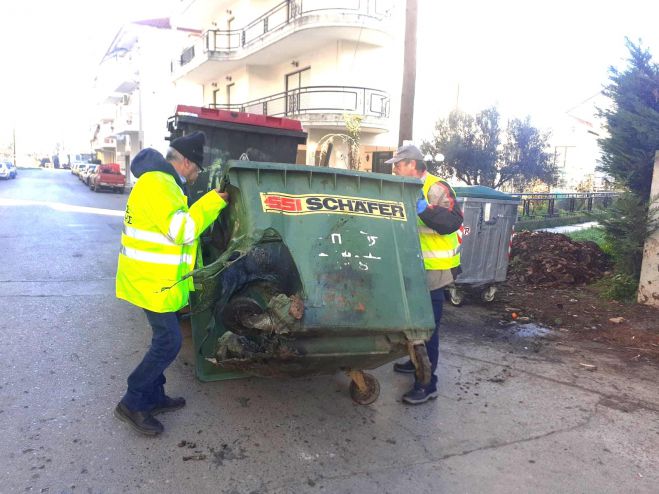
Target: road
pixel 515 415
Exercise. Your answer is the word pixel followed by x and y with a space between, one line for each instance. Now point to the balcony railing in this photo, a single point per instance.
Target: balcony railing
pixel 288 11
pixel 317 99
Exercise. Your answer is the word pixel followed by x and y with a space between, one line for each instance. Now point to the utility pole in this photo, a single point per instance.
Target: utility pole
pixel 14 145
pixel 406 125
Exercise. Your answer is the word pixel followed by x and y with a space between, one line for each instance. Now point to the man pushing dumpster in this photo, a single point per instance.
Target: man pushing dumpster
pixel 158 248
pixel 439 218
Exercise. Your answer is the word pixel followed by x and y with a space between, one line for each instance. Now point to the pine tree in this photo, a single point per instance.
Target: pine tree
pixel 632 123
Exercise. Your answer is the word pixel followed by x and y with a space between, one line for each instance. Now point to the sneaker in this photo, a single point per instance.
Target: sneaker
pixel 419 395
pixel 142 422
pixel 406 368
pixel 168 405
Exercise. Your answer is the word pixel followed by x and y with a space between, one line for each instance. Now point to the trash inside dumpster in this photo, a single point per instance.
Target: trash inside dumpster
pixel 489 224
pixel 310 271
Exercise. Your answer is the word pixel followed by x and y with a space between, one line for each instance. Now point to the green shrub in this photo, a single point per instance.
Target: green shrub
pixel 594 234
pixel 621 287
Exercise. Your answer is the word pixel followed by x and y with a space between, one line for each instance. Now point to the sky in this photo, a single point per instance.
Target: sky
pixel 536 58
pixel 50 50
pixel 532 57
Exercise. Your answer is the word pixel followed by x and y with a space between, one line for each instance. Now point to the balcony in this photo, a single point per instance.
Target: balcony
pixel 283 26
pixel 323 107
pixel 127 119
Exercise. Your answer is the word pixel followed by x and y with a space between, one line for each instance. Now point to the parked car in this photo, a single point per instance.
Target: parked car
pixel 81 170
pixel 7 170
pixel 89 171
pixel 108 176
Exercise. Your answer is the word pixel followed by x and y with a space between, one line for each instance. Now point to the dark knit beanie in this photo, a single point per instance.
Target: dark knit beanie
pixel 191 146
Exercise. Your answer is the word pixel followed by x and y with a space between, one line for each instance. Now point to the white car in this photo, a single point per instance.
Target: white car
pixel 7 170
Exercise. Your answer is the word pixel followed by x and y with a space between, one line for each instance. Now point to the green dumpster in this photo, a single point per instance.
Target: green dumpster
pixel 309 271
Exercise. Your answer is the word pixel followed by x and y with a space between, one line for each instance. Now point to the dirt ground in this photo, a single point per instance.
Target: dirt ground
pixel 578 313
pixel 551 282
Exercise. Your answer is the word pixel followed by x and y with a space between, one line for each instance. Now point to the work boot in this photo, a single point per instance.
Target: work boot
pixel 406 368
pixel 419 394
pixel 168 405
pixel 142 422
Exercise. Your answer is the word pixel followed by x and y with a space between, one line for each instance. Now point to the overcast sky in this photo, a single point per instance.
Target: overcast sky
pixel 527 57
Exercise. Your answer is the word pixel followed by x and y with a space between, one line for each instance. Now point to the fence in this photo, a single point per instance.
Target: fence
pixel 548 205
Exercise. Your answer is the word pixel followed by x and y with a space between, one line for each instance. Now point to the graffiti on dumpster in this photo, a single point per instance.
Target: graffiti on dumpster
pixel 346 256
pixel 289 204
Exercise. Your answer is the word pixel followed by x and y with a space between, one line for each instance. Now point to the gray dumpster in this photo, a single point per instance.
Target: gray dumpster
pixel 489 222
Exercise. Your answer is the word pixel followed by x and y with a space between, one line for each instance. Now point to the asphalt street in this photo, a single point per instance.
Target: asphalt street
pixel 514 415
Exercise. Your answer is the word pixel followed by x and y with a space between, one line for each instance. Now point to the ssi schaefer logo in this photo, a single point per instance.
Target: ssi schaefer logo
pixel 276 202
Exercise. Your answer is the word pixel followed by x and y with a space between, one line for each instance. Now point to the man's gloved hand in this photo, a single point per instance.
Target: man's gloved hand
pixel 421 205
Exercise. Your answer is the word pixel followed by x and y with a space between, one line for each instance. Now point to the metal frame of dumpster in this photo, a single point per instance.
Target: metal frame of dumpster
pixel 351 241
pixel 489 224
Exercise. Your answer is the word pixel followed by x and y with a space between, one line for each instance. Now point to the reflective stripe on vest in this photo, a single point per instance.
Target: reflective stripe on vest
pixel 440 254
pixel 156 238
pixel 182 219
pixel 152 257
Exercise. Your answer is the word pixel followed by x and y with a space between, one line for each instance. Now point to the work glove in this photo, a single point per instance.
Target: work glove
pixel 421 205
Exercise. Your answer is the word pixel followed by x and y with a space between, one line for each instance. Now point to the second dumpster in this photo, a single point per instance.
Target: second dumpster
pixel 489 224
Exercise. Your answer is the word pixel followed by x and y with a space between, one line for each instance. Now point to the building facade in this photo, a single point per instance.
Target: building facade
pixel 323 62
pixel 134 92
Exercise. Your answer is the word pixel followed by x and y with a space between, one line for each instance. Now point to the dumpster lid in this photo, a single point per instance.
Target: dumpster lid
pixel 240 118
pixel 482 192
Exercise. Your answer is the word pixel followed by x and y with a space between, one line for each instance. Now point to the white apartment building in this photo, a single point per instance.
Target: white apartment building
pixel 575 149
pixel 134 91
pixel 311 60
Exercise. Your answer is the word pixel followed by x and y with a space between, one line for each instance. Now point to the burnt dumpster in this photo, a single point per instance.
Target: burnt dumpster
pixel 489 224
pixel 310 271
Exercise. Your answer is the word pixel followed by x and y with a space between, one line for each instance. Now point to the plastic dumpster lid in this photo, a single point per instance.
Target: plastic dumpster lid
pixel 238 117
pixel 482 192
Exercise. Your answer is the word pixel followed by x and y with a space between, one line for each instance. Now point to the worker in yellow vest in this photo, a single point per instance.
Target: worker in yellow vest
pixel 159 246
pixel 439 219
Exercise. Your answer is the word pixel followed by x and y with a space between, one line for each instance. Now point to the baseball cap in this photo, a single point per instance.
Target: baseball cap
pixel 408 152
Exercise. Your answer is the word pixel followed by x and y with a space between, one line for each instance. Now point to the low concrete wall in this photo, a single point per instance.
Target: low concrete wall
pixel 648 289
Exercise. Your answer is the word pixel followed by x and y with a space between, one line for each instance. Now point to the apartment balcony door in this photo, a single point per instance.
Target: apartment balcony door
pixel 294 82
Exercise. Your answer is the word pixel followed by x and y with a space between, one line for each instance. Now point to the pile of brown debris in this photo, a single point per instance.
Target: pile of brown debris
pixel 552 259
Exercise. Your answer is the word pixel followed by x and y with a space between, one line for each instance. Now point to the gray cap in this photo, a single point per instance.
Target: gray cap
pixel 409 152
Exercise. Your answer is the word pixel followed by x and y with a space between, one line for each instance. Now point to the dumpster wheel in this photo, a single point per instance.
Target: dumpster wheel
pixel 487 295
pixel 455 296
pixel 364 387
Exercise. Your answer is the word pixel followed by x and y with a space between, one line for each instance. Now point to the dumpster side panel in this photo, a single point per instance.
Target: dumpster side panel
pixel 488 224
pixel 360 272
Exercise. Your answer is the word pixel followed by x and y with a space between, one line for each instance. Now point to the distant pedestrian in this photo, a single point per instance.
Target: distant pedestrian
pixel 439 219
pixel 158 247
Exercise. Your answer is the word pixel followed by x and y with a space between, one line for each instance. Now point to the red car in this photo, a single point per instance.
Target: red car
pixel 108 176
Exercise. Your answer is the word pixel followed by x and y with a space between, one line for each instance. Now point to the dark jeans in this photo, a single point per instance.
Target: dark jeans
pixel 146 384
pixel 432 345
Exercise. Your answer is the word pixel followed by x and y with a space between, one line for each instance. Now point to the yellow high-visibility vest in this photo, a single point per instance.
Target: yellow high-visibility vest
pixel 159 242
pixel 440 252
